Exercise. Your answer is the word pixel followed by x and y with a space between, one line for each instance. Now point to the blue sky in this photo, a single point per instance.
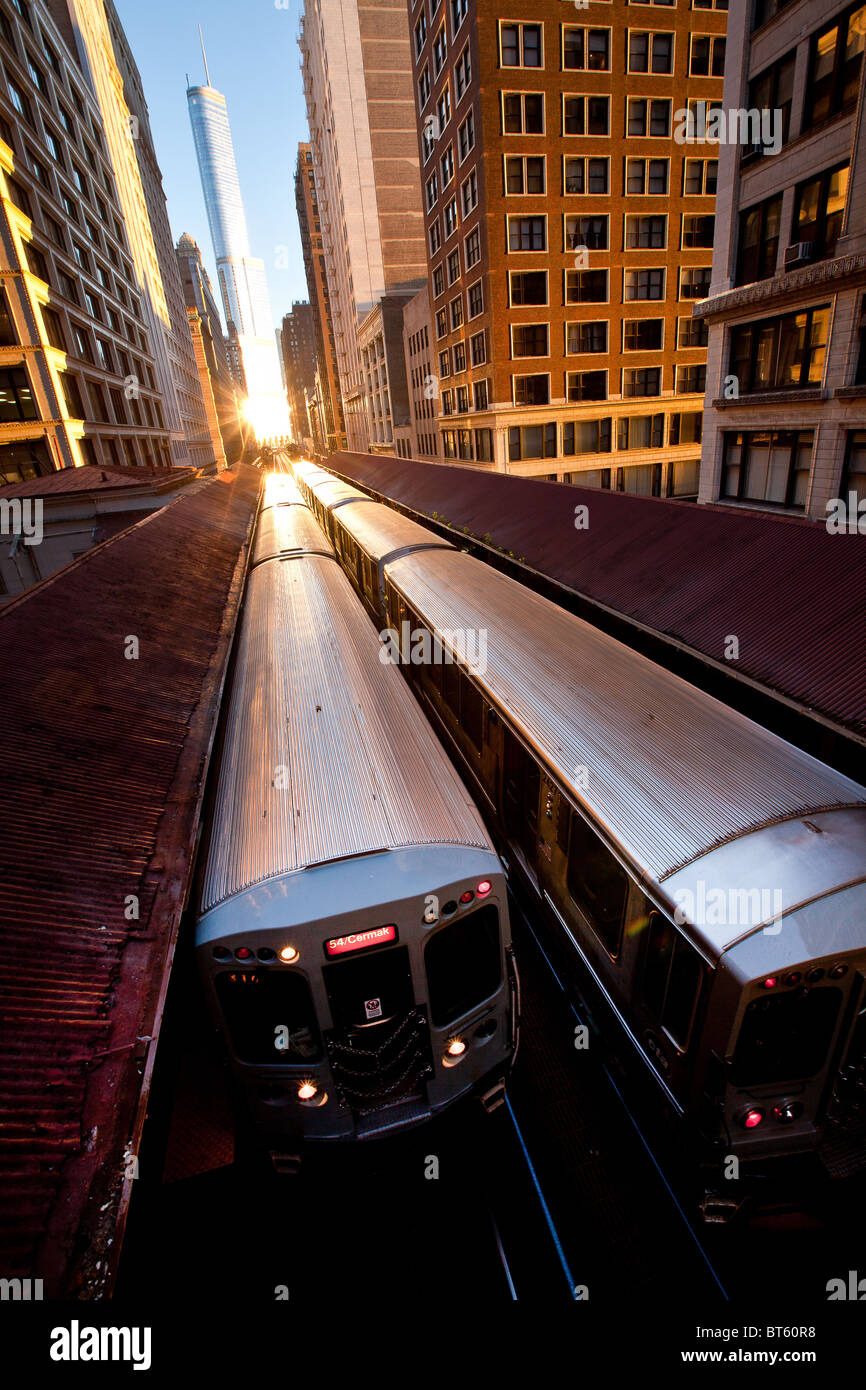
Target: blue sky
pixel 255 61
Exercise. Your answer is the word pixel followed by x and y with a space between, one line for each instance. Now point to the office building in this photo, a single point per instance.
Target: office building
pixel 785 427
pixel 217 384
pixel 329 403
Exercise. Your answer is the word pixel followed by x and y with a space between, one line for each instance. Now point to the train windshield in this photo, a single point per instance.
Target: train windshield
pixel 785 1036
pixel 463 965
pixel 257 1003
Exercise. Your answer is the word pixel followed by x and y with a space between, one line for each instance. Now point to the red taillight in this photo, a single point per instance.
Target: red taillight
pixel 769 983
pixel 484 887
pixel 244 953
pixel 752 1119
pixel 467 896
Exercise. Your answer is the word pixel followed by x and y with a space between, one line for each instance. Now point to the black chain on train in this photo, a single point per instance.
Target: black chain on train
pixel 364 1097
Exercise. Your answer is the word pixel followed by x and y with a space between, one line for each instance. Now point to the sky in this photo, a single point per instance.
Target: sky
pixel 254 61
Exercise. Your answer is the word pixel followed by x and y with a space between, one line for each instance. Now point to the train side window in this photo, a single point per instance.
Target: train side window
pixel 451 687
pixel 563 825
pixel 673 972
pixel 597 883
pixel 472 713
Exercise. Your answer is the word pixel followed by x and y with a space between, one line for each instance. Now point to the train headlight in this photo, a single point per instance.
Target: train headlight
pixel 290 955
pixel 750 1119
pixel 454 1053
pixel 309 1093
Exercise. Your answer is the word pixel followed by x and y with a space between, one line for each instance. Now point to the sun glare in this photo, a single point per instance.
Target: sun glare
pixel 268 415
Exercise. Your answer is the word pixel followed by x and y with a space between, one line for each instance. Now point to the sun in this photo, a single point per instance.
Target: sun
pixel 268 415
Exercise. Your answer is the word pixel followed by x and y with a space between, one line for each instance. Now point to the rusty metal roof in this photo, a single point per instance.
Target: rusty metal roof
pixel 789 592
pixel 104 759
pixel 93 478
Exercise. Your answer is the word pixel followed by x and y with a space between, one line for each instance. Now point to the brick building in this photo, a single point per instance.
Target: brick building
pixel 568 233
pixel 785 426
pixel 329 404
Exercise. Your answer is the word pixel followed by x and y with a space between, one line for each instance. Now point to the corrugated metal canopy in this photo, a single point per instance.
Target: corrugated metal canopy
pixel 382 531
pixel 790 592
pixel 669 769
pixel 326 753
pixel 104 758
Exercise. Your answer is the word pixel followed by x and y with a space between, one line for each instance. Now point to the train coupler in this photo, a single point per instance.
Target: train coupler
pixel 286 1163
pixel 717 1209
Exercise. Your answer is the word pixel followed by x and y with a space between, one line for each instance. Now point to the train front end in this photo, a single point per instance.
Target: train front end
pixel 365 995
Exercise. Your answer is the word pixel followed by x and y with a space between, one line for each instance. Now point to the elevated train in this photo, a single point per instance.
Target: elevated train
pixel 702 879
pixel 352 933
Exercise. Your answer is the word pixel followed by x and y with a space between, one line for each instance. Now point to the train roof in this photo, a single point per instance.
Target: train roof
pixel 289 531
pixel 281 491
pixel 670 771
pixel 326 752
pixel 331 492
pixel 381 531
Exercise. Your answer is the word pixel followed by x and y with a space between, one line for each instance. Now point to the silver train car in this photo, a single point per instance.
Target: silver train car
pixel 705 877
pixel 353 933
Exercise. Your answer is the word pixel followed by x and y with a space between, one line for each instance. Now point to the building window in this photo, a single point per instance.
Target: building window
pixel 441 324
pixel 646 233
pixel 532 390
pixel 447 403
pixel 586 386
pixel 649 176
pixel 585 287
pixel 532 441
pixel 642 335
pixel 423 88
pixel 450 217
pixel 698 232
pixel 581 175
pixel 54 329
pixel 453 267
pixel 819 207
pixel 587 437
pixel 462 73
pixel 71 396
pixel 440 52
pixel 520 46
pixel 641 432
pixel 585 49
pixel 456 308
pixel 834 70
pixel 700 177
pixel 758 245
pixel 459 10
pixel 649 116
pixel 523 113
pixel 16 396
pixel 691 380
pixel 438 281
pixel 686 427
pixel 462 400
pixel 644 284
pixel 527 287
pixel 447 166
pixel 432 190
pixel 692 333
pixel 37 262
pixel 591 232
pixel 695 282
pixel 476 300
pixel 589 335
pixel 469 194
pixel 650 52
pixel 524 174
pixel 772 467
pixel 773 90
pixel 530 340
pixel 420 33
pixel 784 353
pixel 472 248
pixel 586 115
pixel 20 102
pixel 706 55
pixel 478 349
pixel 458 354
pixel 854 469
pixel 466 136
pixel 81 340
pixel 479 395
pixel 527 233
pixel 435 236
pixel 444 363
pixel 443 107
pixel 860 368
pixel 641 381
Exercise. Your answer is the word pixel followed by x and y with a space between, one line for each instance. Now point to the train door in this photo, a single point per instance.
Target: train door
pixel 520 782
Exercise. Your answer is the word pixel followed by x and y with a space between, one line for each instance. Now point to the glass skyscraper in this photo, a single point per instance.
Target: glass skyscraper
pixel 242 281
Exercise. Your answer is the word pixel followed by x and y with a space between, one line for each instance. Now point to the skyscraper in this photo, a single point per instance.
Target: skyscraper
pixel 242 277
